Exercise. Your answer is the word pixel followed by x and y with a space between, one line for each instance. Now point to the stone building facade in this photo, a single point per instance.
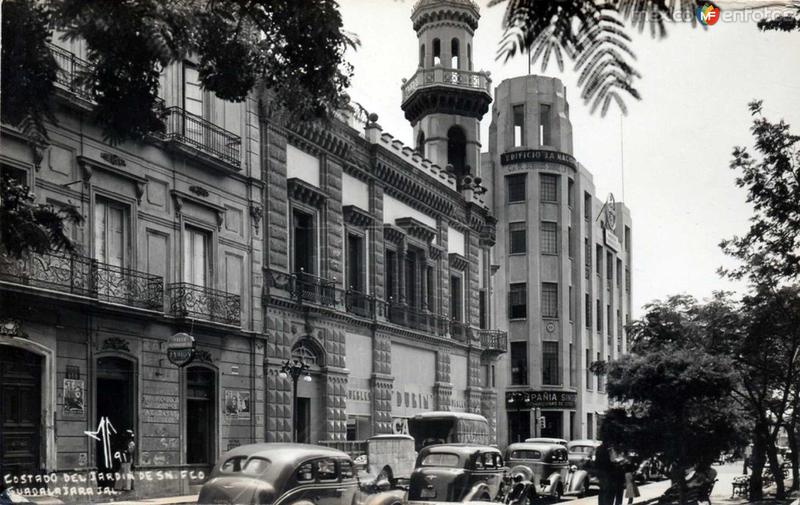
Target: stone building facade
pixel 172 241
pixel 564 267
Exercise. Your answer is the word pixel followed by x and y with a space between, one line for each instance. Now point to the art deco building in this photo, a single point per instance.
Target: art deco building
pixel 563 257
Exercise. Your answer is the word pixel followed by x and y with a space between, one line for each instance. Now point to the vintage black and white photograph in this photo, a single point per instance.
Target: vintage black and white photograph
pixel 400 252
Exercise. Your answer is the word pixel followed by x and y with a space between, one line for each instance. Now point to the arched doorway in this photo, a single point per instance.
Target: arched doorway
pixel 20 410
pixel 201 384
pixel 309 417
pixel 457 150
pixel 115 394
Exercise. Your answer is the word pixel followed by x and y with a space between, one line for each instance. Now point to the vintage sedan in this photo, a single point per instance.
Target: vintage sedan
pixel 287 474
pixel 456 473
pixel 548 467
pixel 581 453
pixel 546 440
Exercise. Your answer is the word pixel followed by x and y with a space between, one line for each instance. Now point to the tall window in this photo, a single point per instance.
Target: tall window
pixel 305 249
pixel 573 377
pixel 598 253
pixel 437 52
pixel 111 235
pixel 550 375
pixel 619 273
pixel 588 370
pixel 483 314
pixel 454 54
pixel 570 193
pixel 599 317
pixel 518 238
pixel 549 238
pixel 600 385
pixel 421 143
pixel 412 282
pixel 456 298
pixel 197 257
pixel 469 57
pixel 390 275
pixel 518 301
pixel 519 363
pixel 356 274
pixel 422 55
pixel 457 149
pixel 571 305
pixel 609 268
pixel 587 206
pixel 544 125
pixel 627 238
pixel 548 187
pixel 430 301
pixel 549 299
pixel 588 253
pixel 627 279
pixel 519 125
pixel 570 243
pixel 515 187
pixel 609 329
pixel 587 302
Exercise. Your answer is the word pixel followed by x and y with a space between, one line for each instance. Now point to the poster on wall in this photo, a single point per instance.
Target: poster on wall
pixel 244 404
pixel 74 396
pixel 237 404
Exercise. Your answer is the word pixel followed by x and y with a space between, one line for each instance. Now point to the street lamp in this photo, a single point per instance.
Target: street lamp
pixel 294 368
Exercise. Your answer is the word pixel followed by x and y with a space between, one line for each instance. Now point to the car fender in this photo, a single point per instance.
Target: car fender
pixel 578 481
pixel 554 480
pixel 393 497
pixel 477 492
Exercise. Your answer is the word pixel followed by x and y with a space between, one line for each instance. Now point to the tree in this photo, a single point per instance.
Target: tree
pixel 27 227
pixel 785 23
pixel 294 47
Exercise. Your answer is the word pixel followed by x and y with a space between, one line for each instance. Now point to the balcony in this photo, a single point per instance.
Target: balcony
pixel 314 289
pixel 446 90
pixel 416 318
pixel 78 275
pixel 306 288
pixel 195 135
pixel 199 302
pixel 71 72
pixel 494 341
pixel 358 303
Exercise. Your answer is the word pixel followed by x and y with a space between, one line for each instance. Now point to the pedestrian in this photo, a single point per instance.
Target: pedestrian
pixel 631 489
pixel 601 463
pixel 125 457
pixel 617 478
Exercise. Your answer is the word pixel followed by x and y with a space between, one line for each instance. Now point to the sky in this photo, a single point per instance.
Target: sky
pixel 672 150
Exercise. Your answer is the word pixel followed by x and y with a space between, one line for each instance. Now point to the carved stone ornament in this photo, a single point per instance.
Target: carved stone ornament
pixel 116 344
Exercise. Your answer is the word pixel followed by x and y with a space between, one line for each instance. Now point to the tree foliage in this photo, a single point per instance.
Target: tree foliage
pixel 295 47
pixel 770 250
pixel 789 22
pixel 27 227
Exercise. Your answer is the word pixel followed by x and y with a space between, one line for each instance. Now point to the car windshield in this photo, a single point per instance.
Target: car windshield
pixel 440 459
pixel 582 449
pixel 256 466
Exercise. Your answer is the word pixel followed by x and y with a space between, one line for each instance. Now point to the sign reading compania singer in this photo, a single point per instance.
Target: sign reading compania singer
pixel 525 400
pixel 538 155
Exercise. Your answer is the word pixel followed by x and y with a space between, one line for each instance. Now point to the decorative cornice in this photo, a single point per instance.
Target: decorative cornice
pixel 304 192
pixel 320 135
pixel 405 188
pixel 111 165
pixel 393 233
pixel 180 198
pixel 458 261
pixel 357 216
pixel 435 251
pixel 416 228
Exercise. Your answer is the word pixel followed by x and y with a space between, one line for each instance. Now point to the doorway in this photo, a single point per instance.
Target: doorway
pixel 303 420
pixel 20 410
pixel 200 386
pixel 114 397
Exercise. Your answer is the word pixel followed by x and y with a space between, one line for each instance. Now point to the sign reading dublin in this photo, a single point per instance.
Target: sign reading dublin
pixel 538 155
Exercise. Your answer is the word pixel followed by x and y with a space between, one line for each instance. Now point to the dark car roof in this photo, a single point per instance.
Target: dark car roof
pixel 460 449
pixel 535 446
pixel 284 457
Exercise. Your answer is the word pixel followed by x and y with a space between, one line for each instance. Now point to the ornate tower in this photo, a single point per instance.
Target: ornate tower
pixel 445 99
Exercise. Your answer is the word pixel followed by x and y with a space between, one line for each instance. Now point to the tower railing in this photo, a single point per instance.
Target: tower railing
pixel 441 76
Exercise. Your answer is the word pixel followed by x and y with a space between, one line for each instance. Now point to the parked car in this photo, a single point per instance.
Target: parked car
pixel 581 454
pixel 545 440
pixel 285 474
pixel 549 468
pixel 652 468
pixel 456 473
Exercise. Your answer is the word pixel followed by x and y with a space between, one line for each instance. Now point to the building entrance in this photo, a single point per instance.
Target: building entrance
pixel 114 397
pixel 199 415
pixel 20 410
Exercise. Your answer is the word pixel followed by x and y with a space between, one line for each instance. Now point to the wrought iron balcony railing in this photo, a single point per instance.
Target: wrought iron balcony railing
pixel 493 340
pixel 314 289
pixel 307 288
pixel 358 303
pixel 416 318
pixel 200 302
pixel 72 71
pixel 79 275
pixel 441 76
pixel 194 131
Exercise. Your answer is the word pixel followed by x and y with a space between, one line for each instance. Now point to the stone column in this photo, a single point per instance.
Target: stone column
pixel 382 385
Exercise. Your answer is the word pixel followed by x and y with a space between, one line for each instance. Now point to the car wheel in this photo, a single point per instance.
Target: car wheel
pixel 559 492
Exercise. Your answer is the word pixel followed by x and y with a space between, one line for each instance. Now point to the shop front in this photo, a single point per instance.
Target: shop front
pixel 414 372
pixel 538 413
